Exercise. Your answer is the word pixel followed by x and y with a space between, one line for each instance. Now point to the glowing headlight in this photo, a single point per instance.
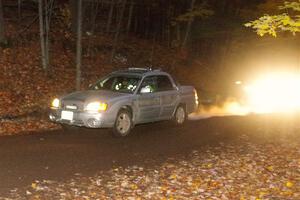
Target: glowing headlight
pixel 55 103
pixel 96 106
pixel 275 93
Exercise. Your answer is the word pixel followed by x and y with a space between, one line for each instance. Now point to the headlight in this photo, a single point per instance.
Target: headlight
pixel 96 106
pixel 55 103
pixel 196 97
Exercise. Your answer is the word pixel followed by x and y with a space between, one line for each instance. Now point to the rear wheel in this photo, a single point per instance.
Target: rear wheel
pixel 123 123
pixel 180 115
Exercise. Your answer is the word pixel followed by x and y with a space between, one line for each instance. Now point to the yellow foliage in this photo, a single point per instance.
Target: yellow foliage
pixel 289 184
pixel 270 24
pixel 34 185
pixel 270 168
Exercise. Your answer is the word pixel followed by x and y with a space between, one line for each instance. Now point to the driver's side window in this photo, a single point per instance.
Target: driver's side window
pixel 149 85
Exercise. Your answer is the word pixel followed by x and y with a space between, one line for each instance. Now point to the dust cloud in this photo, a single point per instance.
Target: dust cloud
pixel 230 107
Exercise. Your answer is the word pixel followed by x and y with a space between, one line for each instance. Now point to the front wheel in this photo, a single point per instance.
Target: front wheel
pixel 180 115
pixel 123 123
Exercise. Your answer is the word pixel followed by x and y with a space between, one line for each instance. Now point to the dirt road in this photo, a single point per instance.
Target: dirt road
pixel 58 155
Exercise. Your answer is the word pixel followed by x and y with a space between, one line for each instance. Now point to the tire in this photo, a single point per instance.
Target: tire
pixel 123 123
pixel 180 115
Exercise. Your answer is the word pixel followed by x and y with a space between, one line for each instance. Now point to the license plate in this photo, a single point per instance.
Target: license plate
pixel 67 115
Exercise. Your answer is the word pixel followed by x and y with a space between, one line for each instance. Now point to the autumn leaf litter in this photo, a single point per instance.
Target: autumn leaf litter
pixel 243 170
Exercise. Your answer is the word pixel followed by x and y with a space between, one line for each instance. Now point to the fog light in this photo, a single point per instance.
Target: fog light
pixel 52 117
pixel 93 123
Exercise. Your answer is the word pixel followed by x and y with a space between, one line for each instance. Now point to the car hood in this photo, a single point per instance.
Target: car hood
pixel 94 95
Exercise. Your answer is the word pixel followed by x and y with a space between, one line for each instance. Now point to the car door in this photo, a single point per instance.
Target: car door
pixel 168 96
pixel 148 100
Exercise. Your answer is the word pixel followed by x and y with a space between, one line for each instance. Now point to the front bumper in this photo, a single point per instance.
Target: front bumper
pixel 84 119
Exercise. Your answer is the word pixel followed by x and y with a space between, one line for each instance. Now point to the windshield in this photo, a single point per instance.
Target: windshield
pixel 118 83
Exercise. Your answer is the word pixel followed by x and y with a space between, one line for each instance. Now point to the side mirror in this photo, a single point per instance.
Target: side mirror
pixel 145 90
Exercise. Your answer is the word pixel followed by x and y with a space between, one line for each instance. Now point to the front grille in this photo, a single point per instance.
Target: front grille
pixel 72 105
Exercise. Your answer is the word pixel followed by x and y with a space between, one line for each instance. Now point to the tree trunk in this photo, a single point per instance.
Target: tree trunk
pixel 178 33
pixel 189 25
pixel 152 51
pixel 48 13
pixel 130 17
pixel 111 11
pixel 2 30
pixel 19 11
pixel 74 14
pixel 136 24
pixel 42 35
pixel 115 43
pixel 79 45
pixel 94 14
pixel 93 26
pixel 148 21
pixel 169 16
